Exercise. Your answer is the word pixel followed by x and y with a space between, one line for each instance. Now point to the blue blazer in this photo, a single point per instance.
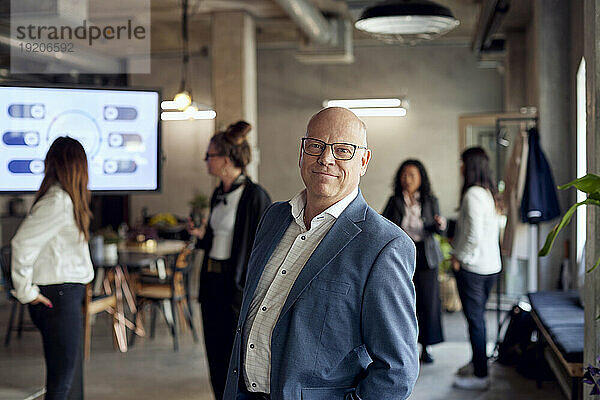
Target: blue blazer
pixel 348 324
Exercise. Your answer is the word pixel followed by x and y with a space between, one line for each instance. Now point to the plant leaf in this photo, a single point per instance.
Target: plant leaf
pixel 589 183
pixel 563 222
pixel 595 266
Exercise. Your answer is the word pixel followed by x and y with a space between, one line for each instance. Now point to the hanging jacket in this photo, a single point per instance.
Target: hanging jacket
pixel 540 202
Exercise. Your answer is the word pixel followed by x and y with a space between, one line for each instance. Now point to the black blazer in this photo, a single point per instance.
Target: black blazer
pixel 394 211
pixel 252 205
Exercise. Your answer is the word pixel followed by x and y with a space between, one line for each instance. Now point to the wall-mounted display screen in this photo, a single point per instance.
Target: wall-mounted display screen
pixel 119 130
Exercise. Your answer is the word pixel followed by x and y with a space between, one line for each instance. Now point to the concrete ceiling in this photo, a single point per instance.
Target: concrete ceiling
pixel 273 26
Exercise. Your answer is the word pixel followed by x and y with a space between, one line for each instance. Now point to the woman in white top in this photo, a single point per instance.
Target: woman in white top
pixel 237 205
pixel 51 264
pixel 476 259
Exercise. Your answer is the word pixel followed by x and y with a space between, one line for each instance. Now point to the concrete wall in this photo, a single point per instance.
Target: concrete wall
pixel 556 138
pixel 441 83
pixel 184 143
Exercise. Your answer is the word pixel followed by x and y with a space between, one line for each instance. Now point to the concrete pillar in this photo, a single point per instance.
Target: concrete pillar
pixel 233 58
pixel 515 85
pixel 554 125
pixel 592 248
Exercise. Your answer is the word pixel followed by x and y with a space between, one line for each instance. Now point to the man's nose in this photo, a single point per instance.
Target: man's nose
pixel 327 156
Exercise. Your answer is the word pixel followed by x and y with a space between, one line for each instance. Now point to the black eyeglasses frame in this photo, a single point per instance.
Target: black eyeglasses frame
pixel 354 146
pixel 211 155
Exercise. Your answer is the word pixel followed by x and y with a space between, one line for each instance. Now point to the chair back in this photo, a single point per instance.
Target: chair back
pixel 5 254
pixel 181 270
pixel 183 261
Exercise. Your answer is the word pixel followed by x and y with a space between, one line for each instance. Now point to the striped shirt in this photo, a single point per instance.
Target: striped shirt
pixel 280 273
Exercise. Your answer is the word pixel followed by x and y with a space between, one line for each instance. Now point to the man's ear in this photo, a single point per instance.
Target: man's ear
pixel 364 161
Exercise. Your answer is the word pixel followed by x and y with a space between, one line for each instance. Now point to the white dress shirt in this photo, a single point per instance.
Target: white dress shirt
pixel 280 273
pixel 49 248
pixel 222 221
pixel 476 243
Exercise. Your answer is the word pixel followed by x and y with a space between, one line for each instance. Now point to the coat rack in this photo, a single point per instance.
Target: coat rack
pixel 532 268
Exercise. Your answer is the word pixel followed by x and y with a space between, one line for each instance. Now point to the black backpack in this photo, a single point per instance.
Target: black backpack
pixel 517 338
pixel 519 346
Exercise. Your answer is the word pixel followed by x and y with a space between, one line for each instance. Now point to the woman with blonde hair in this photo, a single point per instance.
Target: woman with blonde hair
pixel 51 264
pixel 237 205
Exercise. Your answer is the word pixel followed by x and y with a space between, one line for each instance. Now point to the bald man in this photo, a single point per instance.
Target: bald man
pixel 329 304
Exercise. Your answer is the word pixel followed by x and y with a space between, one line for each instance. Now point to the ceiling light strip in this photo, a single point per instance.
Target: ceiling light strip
pixel 358 103
pixel 185 115
pixel 379 112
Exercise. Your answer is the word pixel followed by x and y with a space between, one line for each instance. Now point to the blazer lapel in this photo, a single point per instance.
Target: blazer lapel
pixel 264 252
pixel 340 234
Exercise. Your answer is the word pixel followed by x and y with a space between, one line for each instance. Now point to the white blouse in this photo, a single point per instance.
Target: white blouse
pixel 222 222
pixel 49 248
pixel 476 242
pixel 412 222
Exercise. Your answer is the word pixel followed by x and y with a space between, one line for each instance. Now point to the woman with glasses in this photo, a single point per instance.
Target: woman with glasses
pixel 415 209
pixel 51 264
pixel 237 205
pixel 476 259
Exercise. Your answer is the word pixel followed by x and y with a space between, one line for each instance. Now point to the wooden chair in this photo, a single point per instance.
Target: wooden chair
pixel 110 301
pixel 16 306
pixel 169 290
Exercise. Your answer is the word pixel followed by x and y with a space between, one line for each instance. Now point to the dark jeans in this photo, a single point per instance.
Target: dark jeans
pixel 61 328
pixel 474 290
pixel 219 321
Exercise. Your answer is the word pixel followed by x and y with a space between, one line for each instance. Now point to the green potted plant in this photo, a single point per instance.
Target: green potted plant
pixel 200 207
pixel 448 289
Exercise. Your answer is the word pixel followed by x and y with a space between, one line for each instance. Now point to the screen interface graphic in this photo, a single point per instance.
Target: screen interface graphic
pixel 117 128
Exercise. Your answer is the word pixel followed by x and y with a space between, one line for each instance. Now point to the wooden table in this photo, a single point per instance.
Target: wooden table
pixel 158 249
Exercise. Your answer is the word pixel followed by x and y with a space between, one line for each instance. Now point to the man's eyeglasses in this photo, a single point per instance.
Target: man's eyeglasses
pixel 340 151
pixel 211 155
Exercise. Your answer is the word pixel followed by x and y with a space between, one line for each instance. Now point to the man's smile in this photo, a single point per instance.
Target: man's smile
pixel 324 173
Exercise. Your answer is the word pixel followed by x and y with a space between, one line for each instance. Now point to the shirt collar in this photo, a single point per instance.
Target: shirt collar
pixel 407 199
pixel 298 203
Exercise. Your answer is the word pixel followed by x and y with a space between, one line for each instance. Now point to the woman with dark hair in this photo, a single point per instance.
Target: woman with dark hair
pixel 237 205
pixel 51 264
pixel 415 209
pixel 476 259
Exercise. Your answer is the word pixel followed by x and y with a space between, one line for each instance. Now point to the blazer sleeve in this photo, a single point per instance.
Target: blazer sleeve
pixel 46 220
pixel 431 226
pixel 389 324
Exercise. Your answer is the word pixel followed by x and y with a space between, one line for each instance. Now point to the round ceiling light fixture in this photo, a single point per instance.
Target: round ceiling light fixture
pixel 406 20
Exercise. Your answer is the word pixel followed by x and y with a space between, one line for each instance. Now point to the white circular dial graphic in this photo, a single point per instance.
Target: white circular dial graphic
pixel 79 126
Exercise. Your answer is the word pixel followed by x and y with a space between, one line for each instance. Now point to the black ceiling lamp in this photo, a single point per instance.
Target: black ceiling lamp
pixel 407 21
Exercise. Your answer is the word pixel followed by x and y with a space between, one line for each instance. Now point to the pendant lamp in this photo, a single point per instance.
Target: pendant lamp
pixel 406 21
